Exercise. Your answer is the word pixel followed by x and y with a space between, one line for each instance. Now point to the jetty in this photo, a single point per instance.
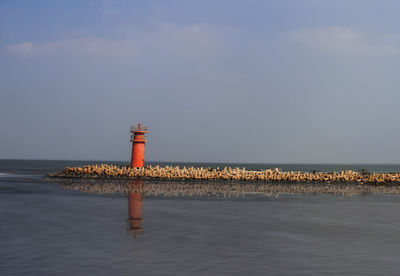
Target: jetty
pixel 227 173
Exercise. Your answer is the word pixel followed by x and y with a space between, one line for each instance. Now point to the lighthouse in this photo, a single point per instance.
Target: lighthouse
pixel 138 140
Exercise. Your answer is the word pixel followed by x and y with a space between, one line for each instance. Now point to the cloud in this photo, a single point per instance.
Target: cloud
pixel 113 8
pixel 23 48
pixel 345 40
pixel 86 46
pixel 186 41
pixel 196 40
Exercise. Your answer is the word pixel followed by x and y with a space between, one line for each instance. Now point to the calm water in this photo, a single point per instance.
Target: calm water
pixel 48 230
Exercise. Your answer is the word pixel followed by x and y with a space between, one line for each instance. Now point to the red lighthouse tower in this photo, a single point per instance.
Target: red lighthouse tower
pixel 138 140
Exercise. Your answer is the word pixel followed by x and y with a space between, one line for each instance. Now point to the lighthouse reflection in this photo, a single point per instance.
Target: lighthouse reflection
pixel 137 189
pixel 135 199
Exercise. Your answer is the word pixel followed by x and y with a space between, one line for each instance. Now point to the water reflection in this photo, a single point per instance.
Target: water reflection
pixel 217 189
pixel 137 189
pixel 135 199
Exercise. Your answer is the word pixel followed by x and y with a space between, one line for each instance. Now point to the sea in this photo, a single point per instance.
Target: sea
pixel 48 229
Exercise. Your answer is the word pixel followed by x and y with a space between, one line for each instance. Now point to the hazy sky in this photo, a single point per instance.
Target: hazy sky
pixel 304 81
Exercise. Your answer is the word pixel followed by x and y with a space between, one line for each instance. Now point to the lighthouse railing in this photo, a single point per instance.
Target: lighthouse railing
pixel 142 138
pixel 139 128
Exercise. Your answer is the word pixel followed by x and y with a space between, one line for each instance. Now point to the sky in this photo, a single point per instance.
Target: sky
pixel 268 81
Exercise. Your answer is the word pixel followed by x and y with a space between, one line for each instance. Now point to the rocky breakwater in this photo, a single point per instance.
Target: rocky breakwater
pixel 269 175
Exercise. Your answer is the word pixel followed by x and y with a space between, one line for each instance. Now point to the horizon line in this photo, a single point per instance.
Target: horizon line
pixel 200 162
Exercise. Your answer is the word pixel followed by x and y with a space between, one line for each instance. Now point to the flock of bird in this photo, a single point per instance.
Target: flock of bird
pixel 227 173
